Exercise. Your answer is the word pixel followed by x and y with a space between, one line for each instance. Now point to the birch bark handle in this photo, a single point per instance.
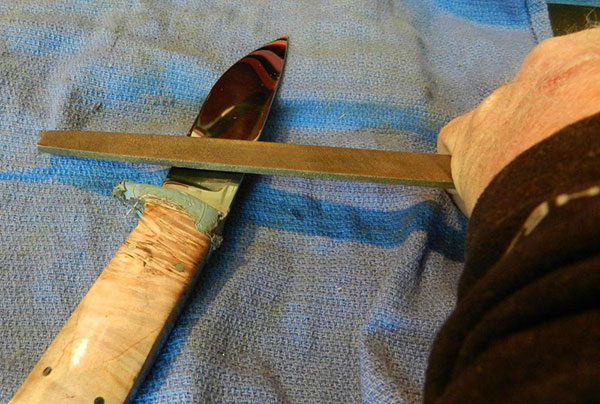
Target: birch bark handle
pixel 106 346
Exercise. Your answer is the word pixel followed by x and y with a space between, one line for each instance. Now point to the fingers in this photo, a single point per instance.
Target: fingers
pixel 446 144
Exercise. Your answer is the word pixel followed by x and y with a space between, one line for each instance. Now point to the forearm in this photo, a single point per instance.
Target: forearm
pixel 527 322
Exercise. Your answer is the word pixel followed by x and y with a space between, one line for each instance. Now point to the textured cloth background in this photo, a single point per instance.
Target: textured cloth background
pixel 322 291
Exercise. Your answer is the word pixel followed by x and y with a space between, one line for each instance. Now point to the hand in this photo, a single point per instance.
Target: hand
pixel 558 84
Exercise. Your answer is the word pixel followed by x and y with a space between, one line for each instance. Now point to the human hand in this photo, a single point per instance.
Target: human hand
pixel 557 84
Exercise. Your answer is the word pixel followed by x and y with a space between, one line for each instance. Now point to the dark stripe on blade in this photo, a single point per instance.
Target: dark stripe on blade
pixel 267 74
pixel 278 47
pixel 237 105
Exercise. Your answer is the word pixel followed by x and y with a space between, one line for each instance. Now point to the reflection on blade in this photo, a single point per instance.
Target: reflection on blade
pixel 232 121
pixel 238 103
pixel 236 108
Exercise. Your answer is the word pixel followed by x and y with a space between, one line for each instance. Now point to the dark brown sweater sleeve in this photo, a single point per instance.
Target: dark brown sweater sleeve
pixel 526 328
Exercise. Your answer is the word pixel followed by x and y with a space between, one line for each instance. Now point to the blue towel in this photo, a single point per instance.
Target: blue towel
pixel 322 291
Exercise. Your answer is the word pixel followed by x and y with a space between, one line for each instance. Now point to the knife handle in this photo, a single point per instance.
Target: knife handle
pixel 107 345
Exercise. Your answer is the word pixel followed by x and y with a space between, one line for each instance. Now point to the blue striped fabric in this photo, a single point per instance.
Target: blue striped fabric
pixel 322 291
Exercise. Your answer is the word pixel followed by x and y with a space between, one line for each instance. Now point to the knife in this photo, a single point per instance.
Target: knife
pixel 107 345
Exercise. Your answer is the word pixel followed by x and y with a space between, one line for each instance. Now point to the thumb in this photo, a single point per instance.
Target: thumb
pixel 446 144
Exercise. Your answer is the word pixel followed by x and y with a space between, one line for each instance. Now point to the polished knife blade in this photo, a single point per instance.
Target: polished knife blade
pixel 236 108
pixel 107 345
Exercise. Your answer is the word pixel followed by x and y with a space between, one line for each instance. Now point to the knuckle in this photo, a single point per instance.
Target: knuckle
pixel 447 135
pixel 498 96
pixel 544 50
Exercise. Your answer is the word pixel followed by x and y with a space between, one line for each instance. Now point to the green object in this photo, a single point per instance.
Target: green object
pixel 205 217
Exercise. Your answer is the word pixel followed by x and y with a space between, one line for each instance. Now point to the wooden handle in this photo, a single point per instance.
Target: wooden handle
pixel 103 351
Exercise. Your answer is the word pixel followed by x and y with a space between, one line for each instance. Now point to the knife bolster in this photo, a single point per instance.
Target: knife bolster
pixel 206 218
pixel 107 345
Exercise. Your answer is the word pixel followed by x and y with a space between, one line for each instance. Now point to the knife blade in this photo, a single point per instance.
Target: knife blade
pixel 388 167
pixel 107 345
